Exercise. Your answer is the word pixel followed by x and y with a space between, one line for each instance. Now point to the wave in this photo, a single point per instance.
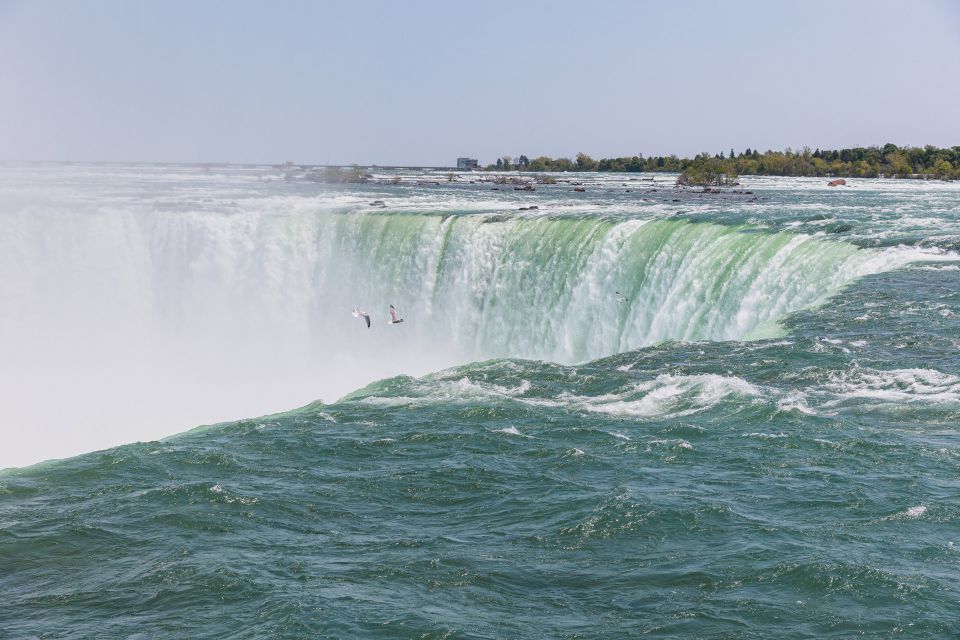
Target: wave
pixel 895 386
pixel 667 396
pixel 594 389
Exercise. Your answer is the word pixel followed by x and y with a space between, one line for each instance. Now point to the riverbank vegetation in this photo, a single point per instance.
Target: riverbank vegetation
pixel 891 161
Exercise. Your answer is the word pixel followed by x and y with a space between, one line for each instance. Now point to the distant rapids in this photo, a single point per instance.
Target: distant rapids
pixel 759 439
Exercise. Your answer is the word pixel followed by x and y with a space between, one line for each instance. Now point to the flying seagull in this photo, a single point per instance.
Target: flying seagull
pixel 360 313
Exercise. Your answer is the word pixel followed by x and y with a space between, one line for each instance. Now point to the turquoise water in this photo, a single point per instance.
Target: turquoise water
pixel 763 441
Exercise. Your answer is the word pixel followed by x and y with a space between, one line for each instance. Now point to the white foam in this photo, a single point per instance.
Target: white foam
pixel 894 386
pixel 669 395
pixel 511 431
pixel 676 442
pixel 393 401
pixel 938 267
pixel 468 386
pixel 766 344
pixel 451 387
pixel 795 402
pixel 915 512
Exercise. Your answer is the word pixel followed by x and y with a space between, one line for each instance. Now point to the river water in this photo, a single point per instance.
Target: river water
pixel 760 438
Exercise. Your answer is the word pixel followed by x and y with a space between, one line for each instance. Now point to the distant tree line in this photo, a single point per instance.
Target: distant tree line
pixel 859 162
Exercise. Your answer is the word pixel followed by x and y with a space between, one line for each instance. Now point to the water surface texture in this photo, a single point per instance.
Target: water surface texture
pixel 760 441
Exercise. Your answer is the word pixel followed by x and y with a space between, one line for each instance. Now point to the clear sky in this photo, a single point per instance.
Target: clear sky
pixel 425 82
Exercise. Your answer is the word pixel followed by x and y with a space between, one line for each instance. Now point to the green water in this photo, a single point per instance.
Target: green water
pixel 645 469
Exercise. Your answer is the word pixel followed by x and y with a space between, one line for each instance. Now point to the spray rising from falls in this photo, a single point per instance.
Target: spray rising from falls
pixel 159 320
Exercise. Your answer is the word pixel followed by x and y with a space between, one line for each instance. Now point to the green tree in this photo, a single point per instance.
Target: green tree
pixel 585 162
pixel 944 170
pixel 890 160
pixel 899 166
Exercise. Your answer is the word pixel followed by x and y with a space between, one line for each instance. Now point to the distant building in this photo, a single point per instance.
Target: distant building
pixel 467 163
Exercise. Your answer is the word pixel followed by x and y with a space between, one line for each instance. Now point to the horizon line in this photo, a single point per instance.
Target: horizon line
pixel 426 166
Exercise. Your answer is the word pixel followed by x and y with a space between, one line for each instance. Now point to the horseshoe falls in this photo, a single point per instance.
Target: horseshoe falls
pixel 158 307
pixel 758 434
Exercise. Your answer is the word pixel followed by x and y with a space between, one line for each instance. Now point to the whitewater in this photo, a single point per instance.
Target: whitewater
pixel 761 441
pixel 139 301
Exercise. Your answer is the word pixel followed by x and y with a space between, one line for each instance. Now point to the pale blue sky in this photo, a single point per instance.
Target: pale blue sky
pixel 424 82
